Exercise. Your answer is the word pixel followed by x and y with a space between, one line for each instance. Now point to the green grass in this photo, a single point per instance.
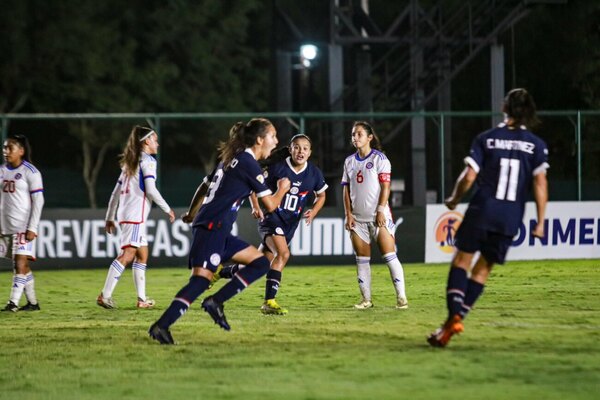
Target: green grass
pixel 535 334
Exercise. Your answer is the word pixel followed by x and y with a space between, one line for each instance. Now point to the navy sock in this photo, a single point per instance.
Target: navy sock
pixel 455 290
pixel 474 290
pixel 183 300
pixel 243 279
pixel 229 271
pixel 272 285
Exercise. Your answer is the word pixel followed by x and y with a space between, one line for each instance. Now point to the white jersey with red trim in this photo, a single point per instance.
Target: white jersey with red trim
pixel 21 199
pixel 133 195
pixel 364 177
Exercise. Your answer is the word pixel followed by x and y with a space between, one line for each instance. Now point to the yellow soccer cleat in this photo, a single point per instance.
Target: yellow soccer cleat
pixel 270 307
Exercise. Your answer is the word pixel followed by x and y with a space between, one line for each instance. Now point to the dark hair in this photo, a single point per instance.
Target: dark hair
pixel 23 142
pixel 241 136
pixel 283 152
pixel 130 158
pixel 519 105
pixel 375 142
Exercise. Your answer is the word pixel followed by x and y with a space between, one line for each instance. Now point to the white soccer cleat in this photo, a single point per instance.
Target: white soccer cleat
pixel 105 302
pixel 402 303
pixel 148 303
pixel 363 305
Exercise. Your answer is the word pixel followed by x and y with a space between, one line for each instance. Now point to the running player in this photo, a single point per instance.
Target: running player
pixel 130 203
pixel 277 228
pixel 21 203
pixel 235 177
pixel 507 162
pixel 366 182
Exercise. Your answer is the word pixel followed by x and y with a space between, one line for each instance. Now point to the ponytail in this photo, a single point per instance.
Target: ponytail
pixel 130 158
pixel 242 136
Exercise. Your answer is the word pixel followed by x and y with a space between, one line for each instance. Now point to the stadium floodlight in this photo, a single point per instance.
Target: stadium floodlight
pixel 308 52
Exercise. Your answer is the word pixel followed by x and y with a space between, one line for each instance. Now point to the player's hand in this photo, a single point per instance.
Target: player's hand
pixel 110 227
pixel 29 236
pixel 451 203
pixel 187 218
pixel 258 214
pixel 308 217
pixel 539 230
pixel 380 219
pixel 284 184
pixel 171 216
pixel 350 222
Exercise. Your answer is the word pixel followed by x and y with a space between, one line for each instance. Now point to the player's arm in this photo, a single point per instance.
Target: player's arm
pixel 256 210
pixel 111 212
pixel 149 177
pixel 384 195
pixel 461 187
pixel 540 195
pixel 37 203
pixel 309 215
pixel 196 203
pixel 271 202
pixel 348 207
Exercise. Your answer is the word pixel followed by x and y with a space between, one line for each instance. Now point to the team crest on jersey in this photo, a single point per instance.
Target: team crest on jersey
pixel 369 165
pixel 260 178
pixel 215 259
pixel 445 230
pixel 266 174
pixel 18 176
pixel 279 231
pixel 294 190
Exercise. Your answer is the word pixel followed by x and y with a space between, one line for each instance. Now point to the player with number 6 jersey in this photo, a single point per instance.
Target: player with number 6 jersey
pixel 508 163
pixel 366 183
pixel 21 203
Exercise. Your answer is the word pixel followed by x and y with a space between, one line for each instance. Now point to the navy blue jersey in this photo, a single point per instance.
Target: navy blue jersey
pixel 506 160
pixel 303 184
pixel 227 190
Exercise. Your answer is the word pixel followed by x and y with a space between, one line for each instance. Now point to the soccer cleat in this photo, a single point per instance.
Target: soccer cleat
pixel 270 307
pixel 10 306
pixel 30 307
pixel 443 334
pixel 107 303
pixel 161 335
pixel 216 276
pixel 148 303
pixel 215 310
pixel 363 305
pixel 402 303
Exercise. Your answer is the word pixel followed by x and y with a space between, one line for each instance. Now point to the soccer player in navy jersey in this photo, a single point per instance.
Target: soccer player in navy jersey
pixel 220 195
pixel 506 162
pixel 277 228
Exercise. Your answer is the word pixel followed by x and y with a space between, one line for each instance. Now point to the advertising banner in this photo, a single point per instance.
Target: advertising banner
pixel 572 231
pixel 75 238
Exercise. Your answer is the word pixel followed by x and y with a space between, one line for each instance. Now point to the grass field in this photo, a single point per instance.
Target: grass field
pixel 535 334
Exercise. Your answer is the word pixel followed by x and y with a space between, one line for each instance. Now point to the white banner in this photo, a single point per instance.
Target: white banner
pixel 572 231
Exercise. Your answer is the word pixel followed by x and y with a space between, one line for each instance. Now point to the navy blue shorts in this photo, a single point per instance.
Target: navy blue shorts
pixel 493 246
pixel 213 247
pixel 274 226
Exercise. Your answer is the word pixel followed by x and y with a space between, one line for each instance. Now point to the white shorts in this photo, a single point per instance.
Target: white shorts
pixel 16 245
pixel 133 235
pixel 369 230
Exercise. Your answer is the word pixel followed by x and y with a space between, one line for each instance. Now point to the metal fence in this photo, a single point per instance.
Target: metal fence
pixel 67 145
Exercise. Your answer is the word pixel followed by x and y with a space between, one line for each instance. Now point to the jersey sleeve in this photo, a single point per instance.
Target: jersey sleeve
pixel 321 185
pixel 476 154
pixel 345 176
pixel 36 191
pixel 148 168
pixel 540 158
pixel 113 203
pixel 254 176
pixel 384 170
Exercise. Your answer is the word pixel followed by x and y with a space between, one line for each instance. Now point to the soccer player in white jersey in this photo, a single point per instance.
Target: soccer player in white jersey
pixel 130 202
pixel 21 203
pixel 366 183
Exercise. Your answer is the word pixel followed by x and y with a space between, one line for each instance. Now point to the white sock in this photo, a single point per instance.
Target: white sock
pixel 397 273
pixel 112 278
pixel 363 271
pixel 16 292
pixel 30 288
pixel 139 279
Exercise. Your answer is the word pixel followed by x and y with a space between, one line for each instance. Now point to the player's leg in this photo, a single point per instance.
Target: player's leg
pixel 278 254
pixel 387 247
pixel 139 277
pixel 130 242
pixel 21 251
pixel 479 276
pixel 361 243
pixel 20 272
